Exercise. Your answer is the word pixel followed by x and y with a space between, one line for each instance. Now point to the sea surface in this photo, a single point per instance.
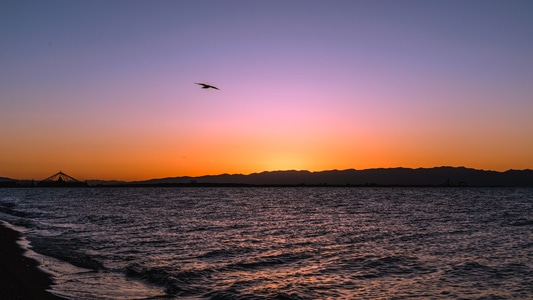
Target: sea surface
pixel 279 243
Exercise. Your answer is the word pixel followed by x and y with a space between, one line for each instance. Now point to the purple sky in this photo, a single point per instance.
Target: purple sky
pixel 106 88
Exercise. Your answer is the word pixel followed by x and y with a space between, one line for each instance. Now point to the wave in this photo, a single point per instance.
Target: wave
pixel 226 253
pixel 270 260
pixel 9 209
pixel 65 250
pixel 175 282
pixel 232 294
pixel 472 270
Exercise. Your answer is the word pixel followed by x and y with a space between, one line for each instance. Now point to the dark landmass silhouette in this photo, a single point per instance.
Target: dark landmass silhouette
pixel 438 177
pixel 8 182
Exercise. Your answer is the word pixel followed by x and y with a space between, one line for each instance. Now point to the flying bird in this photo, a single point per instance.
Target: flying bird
pixel 207 86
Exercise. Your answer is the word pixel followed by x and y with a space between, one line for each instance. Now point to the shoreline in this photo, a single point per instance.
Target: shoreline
pixel 20 276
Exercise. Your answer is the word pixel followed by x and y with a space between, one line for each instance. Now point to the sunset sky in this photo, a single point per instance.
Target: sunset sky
pixel 105 89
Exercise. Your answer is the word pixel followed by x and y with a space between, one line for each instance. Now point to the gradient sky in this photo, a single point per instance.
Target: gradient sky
pixel 105 89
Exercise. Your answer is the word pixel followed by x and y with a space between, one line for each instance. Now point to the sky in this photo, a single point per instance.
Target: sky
pixel 105 89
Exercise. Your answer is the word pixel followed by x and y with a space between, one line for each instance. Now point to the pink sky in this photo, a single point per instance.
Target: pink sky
pixel 105 90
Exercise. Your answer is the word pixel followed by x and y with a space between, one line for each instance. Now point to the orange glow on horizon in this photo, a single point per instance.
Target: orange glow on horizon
pixel 154 158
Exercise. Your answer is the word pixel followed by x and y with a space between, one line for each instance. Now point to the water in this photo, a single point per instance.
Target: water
pixel 280 243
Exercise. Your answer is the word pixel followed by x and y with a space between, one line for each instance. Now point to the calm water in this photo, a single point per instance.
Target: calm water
pixel 280 243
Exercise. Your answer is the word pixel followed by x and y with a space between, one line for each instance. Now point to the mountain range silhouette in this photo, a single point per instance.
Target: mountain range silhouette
pixel 438 176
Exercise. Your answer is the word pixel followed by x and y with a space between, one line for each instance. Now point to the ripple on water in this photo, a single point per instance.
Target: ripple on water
pixel 282 243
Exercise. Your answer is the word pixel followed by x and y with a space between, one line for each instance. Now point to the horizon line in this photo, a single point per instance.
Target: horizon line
pixel 282 170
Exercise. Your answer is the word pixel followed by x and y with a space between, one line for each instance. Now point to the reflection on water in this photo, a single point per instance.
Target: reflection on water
pixel 284 243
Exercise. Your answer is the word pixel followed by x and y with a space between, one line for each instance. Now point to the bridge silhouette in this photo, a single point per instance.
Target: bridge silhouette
pixel 61 179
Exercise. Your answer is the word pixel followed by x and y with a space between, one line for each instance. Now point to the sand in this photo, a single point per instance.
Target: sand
pixel 20 277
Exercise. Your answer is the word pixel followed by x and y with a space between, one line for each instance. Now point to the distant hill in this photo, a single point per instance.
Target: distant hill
pixel 8 182
pixel 97 182
pixel 438 176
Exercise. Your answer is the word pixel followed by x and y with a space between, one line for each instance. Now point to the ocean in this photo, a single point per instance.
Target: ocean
pixel 279 243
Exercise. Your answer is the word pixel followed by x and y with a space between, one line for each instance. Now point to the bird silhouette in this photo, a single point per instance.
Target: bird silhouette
pixel 207 86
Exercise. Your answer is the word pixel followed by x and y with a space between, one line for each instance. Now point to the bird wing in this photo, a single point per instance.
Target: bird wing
pixel 206 86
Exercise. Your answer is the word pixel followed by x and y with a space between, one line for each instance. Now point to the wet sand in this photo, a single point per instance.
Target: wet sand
pixel 20 278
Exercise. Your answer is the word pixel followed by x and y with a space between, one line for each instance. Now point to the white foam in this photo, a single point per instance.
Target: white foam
pixel 73 282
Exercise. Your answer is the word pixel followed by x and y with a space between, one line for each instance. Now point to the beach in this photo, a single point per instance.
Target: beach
pixel 20 277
